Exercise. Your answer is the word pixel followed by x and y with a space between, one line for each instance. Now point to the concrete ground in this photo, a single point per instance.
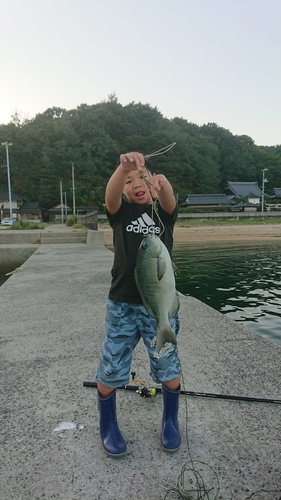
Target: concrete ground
pixel 52 318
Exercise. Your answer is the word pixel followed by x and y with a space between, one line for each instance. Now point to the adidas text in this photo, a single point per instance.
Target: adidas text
pixel 144 230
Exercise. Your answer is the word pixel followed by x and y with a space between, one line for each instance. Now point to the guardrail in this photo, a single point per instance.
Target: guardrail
pixel 230 216
pixel 272 206
pixel 220 216
pixel 89 220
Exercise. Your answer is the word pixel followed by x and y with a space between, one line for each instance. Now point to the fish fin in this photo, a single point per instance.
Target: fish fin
pixel 175 269
pixel 161 268
pixel 175 306
pixel 165 334
pixel 147 307
pixel 136 278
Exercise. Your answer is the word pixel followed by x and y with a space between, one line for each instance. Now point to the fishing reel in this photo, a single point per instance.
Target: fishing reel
pixel 144 392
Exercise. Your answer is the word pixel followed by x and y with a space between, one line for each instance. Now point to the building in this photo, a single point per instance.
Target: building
pixel 20 207
pixel 85 209
pixel 32 211
pixel 276 197
pixel 245 206
pixel 246 190
pixel 16 202
pixel 55 213
pixel 277 194
pixel 207 202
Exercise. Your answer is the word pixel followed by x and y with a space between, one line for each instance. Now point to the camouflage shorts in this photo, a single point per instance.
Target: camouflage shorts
pixel 125 325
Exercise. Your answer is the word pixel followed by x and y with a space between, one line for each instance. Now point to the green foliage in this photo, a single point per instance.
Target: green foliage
pixel 71 220
pixel 26 224
pixel 92 137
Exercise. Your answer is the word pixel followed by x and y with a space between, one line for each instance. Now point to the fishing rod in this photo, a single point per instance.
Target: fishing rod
pixel 150 392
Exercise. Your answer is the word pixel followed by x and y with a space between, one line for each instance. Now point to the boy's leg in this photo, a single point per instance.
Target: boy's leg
pixel 104 390
pixel 174 384
pixel 121 336
pixel 111 437
pixel 166 370
pixel 170 435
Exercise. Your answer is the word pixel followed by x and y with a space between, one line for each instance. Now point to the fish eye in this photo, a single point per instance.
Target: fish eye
pixel 145 245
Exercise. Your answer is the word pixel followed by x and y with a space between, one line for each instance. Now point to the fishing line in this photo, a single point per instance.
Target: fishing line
pixel 160 151
pixel 154 210
pixel 189 474
pixel 200 489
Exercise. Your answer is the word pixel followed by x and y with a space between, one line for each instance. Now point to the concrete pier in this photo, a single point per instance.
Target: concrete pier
pixel 52 318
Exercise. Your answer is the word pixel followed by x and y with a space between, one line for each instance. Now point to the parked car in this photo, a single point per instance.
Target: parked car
pixel 7 222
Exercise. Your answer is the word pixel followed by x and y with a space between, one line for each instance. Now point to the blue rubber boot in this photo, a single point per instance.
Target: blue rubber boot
pixel 111 437
pixel 170 437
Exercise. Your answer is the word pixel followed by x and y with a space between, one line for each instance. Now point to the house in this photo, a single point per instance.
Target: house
pixel 207 202
pixel 31 210
pixel 277 194
pixel 83 209
pixel 248 190
pixel 246 206
pixel 55 213
pixel 16 202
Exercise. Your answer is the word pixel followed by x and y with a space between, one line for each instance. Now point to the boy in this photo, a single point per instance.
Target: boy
pixel 126 318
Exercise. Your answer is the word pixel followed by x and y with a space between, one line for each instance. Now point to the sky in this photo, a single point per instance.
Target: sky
pixel 207 61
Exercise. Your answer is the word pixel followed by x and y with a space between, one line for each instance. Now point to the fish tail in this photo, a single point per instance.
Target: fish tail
pixel 165 334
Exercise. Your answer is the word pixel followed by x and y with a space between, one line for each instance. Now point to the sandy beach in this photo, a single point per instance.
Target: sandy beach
pixel 184 233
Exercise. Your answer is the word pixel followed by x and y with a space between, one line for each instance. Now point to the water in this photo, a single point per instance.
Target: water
pixel 3 272
pixel 241 281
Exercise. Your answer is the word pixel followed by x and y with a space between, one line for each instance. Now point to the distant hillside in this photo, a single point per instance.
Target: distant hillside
pixel 92 138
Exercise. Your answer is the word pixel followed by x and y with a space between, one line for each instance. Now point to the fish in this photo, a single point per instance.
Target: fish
pixel 155 280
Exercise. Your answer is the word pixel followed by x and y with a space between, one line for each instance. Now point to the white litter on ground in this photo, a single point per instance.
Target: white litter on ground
pixel 65 426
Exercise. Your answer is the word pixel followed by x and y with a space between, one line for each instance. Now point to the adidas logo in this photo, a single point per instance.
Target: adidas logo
pixel 144 225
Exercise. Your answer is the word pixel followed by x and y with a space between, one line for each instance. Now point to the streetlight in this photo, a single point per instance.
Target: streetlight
pixel 263 181
pixel 7 144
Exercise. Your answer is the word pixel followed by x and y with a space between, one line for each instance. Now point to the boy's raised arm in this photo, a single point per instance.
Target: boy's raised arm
pixel 164 191
pixel 116 183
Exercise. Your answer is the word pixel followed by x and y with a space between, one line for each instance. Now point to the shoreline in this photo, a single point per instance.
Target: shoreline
pixel 217 233
pixel 50 339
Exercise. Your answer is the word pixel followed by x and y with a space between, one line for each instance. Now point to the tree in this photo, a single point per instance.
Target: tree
pixel 93 136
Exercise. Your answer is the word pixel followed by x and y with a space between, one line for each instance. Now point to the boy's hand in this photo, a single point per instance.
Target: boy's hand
pixel 132 161
pixel 157 181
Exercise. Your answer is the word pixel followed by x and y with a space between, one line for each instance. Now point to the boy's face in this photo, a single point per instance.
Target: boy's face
pixel 136 189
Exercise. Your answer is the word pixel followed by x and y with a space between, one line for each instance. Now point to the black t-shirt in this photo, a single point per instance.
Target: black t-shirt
pixel 129 225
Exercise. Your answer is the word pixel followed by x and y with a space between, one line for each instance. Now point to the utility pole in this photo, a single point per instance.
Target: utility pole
pixel 262 196
pixel 7 144
pixel 73 190
pixel 61 203
pixel 65 205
